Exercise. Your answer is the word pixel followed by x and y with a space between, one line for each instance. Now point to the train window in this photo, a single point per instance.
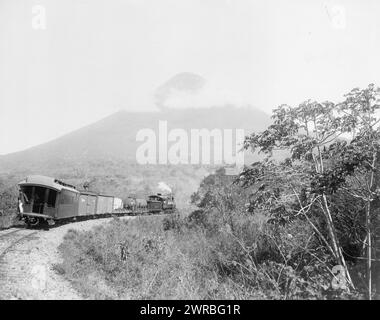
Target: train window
pixel 51 198
pixel 26 194
pixel 39 194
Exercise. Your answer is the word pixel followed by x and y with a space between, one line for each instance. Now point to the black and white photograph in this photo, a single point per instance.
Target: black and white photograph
pixel 206 152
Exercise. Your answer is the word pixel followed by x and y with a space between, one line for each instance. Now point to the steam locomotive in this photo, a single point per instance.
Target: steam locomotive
pixel 47 200
pixel 154 204
pixel 158 203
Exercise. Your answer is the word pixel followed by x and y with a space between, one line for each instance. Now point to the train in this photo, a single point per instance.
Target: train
pixel 48 200
pixel 157 203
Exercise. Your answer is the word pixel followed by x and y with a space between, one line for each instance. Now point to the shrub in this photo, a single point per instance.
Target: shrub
pixel 176 258
pixel 8 207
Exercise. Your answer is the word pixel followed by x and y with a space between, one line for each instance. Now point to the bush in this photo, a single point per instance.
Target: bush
pixel 196 258
pixel 218 251
pixel 8 207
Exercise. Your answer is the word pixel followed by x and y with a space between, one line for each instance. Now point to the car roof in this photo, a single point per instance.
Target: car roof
pixel 48 182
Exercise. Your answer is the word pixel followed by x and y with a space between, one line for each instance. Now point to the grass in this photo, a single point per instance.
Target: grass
pixel 8 220
pixel 194 258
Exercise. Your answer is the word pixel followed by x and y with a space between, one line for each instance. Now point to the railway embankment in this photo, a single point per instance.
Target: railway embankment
pixel 28 260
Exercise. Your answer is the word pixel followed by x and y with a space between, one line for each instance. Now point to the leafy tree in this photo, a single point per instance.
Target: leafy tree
pixel 218 192
pixel 359 160
pixel 315 135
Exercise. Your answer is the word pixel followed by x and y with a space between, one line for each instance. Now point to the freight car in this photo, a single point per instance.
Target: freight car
pixel 135 205
pixel 48 200
pixel 45 199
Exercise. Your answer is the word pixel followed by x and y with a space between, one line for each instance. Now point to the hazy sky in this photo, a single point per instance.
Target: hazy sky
pixel 95 57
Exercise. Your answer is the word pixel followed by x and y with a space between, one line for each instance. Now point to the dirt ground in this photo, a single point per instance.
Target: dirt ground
pixel 26 266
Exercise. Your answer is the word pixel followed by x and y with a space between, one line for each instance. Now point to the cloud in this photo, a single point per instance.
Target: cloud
pixel 209 95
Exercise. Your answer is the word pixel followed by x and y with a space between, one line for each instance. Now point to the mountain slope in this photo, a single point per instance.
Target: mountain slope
pixel 114 137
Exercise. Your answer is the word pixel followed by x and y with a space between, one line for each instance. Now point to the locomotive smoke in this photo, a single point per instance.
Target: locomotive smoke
pixel 164 187
pixel 189 90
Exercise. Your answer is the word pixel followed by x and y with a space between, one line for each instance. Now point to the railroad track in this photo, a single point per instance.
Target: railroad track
pixel 4 235
pixel 12 240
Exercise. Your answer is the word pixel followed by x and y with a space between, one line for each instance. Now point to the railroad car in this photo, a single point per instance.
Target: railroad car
pixel 45 199
pixel 48 200
pixel 130 203
pixel 135 205
pixel 117 204
pixel 141 204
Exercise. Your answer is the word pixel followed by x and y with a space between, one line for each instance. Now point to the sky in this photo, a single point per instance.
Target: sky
pixel 66 64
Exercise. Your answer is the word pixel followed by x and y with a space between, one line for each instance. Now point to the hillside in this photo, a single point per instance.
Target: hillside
pixel 104 153
pixel 114 138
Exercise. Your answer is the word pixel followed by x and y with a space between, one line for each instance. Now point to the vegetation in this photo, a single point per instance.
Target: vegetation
pixel 322 169
pixel 151 258
pixel 303 227
pixel 8 205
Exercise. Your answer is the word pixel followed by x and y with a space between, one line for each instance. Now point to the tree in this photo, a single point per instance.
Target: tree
pixel 360 158
pixel 218 192
pixel 315 135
